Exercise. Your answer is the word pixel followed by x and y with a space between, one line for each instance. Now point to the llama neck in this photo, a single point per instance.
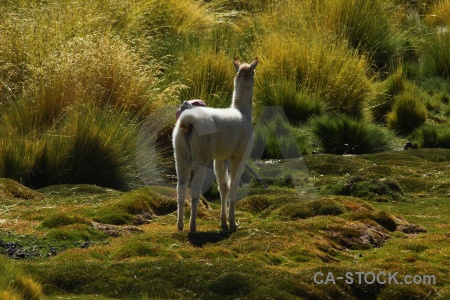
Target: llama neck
pixel 242 100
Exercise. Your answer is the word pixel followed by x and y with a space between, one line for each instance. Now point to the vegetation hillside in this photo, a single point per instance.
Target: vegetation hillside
pixel 88 93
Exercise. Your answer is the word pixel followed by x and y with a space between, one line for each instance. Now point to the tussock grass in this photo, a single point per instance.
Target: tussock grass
pixel 432 137
pixel 208 76
pixel 439 14
pixel 382 104
pixel 437 55
pixel 319 67
pixel 298 104
pixel 407 113
pixel 369 27
pixel 15 285
pixel 336 131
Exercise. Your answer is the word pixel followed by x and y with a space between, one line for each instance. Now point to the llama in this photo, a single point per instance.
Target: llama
pixel 204 134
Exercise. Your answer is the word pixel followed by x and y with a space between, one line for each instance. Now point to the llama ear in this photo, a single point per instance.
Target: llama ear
pixel 236 63
pixel 254 63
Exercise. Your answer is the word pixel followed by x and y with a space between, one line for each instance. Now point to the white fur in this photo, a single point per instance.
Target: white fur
pixel 203 134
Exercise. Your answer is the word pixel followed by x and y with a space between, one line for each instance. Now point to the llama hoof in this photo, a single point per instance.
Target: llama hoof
pixel 233 228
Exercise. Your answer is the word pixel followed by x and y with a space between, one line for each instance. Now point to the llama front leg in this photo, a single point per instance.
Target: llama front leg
pixel 196 189
pixel 220 168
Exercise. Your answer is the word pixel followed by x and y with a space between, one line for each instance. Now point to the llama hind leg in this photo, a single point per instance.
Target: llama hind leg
pixel 236 170
pixel 200 173
pixel 220 168
pixel 183 174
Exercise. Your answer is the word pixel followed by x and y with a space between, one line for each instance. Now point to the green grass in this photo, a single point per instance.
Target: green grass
pixel 408 113
pixel 432 137
pixel 282 242
pixel 333 132
pixel 15 285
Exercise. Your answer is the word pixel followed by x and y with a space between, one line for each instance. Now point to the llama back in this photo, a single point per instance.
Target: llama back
pixel 220 131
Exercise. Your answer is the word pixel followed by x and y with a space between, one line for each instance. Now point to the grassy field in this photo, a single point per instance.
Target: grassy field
pixel 384 212
pixel 88 92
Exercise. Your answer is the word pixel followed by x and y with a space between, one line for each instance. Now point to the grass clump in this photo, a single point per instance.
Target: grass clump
pixel 232 284
pixel 275 138
pixel 75 232
pixel 382 104
pixel 437 55
pixel 333 132
pixel 137 207
pixel 369 28
pixel 298 104
pixel 91 145
pixel 15 285
pixel 208 76
pixel 312 208
pixel 429 136
pixel 407 114
pixel 381 217
pixel 374 189
pixel 134 249
pixel 328 70
pixel 61 219
pixel 255 203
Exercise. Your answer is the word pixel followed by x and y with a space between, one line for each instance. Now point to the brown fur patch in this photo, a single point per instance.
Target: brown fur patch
pixel 185 128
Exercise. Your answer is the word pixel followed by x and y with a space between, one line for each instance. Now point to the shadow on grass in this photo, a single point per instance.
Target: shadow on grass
pixel 199 239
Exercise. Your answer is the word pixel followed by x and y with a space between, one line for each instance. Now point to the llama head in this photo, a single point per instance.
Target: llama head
pixel 245 70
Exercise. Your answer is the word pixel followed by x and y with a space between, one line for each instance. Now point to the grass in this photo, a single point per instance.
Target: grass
pixel 336 131
pixel 338 233
pixel 432 137
pixel 407 114
pixel 15 285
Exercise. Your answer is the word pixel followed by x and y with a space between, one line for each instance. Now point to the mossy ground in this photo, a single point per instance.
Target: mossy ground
pixel 393 218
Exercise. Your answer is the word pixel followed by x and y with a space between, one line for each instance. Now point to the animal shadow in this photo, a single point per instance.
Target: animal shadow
pixel 199 239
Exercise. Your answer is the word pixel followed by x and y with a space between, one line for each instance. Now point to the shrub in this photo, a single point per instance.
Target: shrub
pixel 407 114
pixel 333 132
